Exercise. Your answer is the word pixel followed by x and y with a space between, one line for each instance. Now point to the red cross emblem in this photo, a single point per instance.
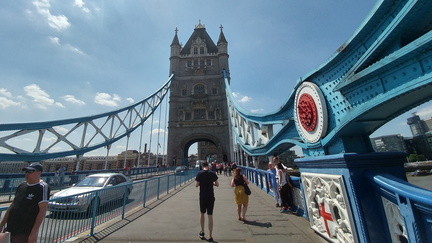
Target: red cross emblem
pixel 326 217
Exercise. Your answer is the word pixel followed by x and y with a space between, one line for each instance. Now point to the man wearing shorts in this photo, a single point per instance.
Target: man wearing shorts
pixel 205 180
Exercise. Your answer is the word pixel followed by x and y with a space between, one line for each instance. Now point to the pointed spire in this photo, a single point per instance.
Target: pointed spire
pixel 221 36
pixel 199 26
pixel 175 39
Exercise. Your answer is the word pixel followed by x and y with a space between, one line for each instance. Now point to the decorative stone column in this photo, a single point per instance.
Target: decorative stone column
pixel 340 201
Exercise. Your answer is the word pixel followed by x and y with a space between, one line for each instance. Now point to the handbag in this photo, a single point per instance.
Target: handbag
pixel 4 237
pixel 247 189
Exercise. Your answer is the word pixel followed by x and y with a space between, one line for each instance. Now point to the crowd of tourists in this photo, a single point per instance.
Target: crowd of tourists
pixel 222 167
pixel 278 180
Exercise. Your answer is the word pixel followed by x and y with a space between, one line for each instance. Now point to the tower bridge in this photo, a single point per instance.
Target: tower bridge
pixel 382 71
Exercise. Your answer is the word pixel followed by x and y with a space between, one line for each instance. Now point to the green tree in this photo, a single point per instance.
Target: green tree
pixel 413 158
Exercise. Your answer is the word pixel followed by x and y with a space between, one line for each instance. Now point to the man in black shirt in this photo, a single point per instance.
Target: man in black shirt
pixel 205 180
pixel 27 211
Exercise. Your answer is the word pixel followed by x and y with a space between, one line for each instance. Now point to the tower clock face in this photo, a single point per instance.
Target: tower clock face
pixel 310 113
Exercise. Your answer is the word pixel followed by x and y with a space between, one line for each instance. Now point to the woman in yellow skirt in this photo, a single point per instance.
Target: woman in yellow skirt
pixel 240 197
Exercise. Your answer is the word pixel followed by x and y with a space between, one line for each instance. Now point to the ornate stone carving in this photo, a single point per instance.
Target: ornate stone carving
pixel 326 202
pixel 395 221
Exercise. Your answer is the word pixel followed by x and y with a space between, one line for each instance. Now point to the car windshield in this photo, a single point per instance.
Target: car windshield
pixel 92 182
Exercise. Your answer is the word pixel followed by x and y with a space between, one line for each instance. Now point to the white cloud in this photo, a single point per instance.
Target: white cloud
pixel 5 103
pixel 245 99
pixel 425 112
pixel 69 47
pixel 74 49
pixel 61 130
pixel 130 100
pixel 55 40
pixel 58 104
pixel 58 22
pixel 73 100
pixel 80 4
pixel 107 99
pixel 5 93
pixel 120 147
pixel 260 110
pixel 49 139
pixel 40 98
pixel 242 99
pixel 158 130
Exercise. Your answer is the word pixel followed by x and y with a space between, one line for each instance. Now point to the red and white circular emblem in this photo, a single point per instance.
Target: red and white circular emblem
pixel 310 112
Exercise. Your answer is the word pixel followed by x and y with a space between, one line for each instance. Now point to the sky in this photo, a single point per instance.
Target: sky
pixel 72 58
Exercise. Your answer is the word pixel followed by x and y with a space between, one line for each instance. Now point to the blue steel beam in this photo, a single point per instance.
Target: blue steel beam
pixel 82 134
pixel 382 71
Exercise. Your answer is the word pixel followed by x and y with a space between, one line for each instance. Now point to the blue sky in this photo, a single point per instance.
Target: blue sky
pixel 63 59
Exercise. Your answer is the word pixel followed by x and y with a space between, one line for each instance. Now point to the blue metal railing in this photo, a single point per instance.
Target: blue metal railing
pixel 9 182
pixel 260 178
pixel 406 207
pixel 413 217
pixel 60 225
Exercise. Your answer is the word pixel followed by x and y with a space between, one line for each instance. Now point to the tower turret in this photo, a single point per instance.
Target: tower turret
pixel 222 45
pixel 175 52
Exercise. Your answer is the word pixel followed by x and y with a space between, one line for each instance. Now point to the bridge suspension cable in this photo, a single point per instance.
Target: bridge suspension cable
pixel 76 136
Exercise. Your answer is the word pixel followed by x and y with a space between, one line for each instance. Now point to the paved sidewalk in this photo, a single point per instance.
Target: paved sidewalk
pixel 175 218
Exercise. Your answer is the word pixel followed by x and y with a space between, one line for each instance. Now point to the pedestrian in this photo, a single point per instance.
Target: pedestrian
pixel 27 211
pixel 285 189
pixel 73 177
pixel 205 180
pixel 57 178
pixel 273 184
pixel 240 196
pixel 61 173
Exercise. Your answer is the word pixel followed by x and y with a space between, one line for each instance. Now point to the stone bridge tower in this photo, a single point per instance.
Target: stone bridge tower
pixel 198 110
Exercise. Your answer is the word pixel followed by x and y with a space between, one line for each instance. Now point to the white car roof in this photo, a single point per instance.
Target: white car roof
pixel 104 174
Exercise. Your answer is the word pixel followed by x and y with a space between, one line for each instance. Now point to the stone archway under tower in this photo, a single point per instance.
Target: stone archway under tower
pixel 208 145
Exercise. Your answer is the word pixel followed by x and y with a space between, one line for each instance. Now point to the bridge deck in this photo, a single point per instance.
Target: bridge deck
pixel 175 218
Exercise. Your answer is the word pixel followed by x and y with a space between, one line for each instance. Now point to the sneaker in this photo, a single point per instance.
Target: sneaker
pixel 211 239
pixel 283 211
pixel 201 235
pixel 277 205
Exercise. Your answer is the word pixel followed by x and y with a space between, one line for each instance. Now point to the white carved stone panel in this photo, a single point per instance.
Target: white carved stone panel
pixel 395 221
pixel 326 203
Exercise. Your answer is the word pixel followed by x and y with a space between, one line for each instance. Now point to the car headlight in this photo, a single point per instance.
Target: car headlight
pixel 80 199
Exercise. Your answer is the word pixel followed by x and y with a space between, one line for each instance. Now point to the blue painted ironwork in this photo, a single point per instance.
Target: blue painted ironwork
pixel 350 193
pixel 415 203
pixel 381 72
pixel 95 131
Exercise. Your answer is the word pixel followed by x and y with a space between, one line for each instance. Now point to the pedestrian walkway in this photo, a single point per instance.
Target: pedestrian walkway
pixel 175 218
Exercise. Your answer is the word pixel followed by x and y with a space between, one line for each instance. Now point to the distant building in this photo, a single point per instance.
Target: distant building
pixel 423 144
pixel 389 143
pixel 130 158
pixel 9 167
pixel 418 127
pixel 428 123
pixel 422 135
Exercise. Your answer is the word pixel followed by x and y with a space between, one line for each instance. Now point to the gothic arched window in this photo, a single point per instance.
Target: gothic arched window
pixel 199 89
